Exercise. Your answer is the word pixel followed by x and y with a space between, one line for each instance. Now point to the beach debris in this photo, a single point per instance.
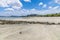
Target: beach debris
pixel 20 32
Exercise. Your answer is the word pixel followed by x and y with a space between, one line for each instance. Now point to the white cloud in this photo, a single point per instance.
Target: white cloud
pixel 41 3
pixel 56 7
pixel 23 12
pixel 10 9
pixel 50 11
pixel 44 6
pixel 42 12
pixel 10 3
pixel 57 1
pixel 50 7
pixel 27 0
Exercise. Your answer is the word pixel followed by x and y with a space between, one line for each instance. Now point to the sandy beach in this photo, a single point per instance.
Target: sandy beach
pixel 36 19
pixel 31 31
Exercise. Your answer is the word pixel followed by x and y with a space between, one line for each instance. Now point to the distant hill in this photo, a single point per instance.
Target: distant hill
pixel 47 15
pixel 36 15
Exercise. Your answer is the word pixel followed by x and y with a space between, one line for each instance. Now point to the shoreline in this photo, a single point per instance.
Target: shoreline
pixel 32 20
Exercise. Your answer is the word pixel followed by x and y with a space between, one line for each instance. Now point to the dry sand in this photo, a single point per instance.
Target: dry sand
pixel 30 31
pixel 37 19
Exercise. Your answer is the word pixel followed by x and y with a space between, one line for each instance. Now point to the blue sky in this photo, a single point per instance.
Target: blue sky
pixel 24 7
pixel 34 4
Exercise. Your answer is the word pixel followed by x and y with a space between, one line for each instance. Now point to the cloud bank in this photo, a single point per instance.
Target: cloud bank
pixel 27 0
pixel 15 4
pixel 13 7
pixel 57 1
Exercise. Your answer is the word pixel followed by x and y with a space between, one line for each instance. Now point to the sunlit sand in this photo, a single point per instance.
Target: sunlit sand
pixel 33 31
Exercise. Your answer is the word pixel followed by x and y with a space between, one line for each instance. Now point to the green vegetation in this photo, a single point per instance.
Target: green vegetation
pixel 47 15
pixel 53 15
